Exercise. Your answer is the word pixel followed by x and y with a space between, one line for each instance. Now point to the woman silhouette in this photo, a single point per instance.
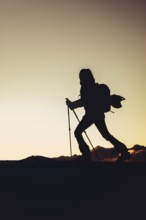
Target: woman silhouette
pixel 92 100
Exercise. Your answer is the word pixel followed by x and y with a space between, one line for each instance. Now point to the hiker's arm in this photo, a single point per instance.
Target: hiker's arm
pixel 75 104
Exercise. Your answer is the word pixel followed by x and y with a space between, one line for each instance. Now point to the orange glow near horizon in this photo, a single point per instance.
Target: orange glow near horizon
pixel 44 44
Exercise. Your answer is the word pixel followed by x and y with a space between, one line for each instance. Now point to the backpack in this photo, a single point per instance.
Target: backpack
pixel 107 100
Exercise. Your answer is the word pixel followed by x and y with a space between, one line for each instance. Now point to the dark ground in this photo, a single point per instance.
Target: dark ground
pixel 37 189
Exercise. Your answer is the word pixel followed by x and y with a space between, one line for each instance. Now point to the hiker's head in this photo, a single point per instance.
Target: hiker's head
pixel 86 77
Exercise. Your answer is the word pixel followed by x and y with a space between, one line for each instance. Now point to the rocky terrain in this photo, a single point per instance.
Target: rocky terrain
pixel 59 188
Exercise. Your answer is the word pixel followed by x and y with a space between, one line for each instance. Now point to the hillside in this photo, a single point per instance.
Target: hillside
pixel 57 188
pixel 138 154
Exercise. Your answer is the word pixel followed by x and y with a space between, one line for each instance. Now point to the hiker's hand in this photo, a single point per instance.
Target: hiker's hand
pixel 69 104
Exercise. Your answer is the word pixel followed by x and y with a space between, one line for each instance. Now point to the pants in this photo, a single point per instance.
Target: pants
pixel 99 121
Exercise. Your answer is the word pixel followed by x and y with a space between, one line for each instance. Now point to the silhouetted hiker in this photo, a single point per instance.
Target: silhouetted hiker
pixel 92 98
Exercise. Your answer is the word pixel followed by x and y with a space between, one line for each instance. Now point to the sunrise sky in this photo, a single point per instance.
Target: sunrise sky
pixel 43 46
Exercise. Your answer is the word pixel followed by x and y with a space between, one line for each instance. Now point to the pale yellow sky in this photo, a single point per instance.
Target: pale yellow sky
pixel 43 46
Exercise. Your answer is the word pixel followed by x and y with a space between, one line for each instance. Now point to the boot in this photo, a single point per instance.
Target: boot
pixel 124 156
pixel 85 152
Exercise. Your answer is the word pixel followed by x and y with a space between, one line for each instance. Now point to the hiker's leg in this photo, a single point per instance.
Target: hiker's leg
pixel 101 125
pixel 84 123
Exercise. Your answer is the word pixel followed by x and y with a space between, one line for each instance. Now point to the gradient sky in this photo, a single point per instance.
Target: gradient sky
pixel 43 46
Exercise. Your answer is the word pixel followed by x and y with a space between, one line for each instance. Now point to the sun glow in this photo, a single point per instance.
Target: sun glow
pixel 44 44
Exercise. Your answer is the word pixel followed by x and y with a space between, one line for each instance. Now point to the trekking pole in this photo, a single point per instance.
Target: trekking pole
pixel 87 136
pixel 69 127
